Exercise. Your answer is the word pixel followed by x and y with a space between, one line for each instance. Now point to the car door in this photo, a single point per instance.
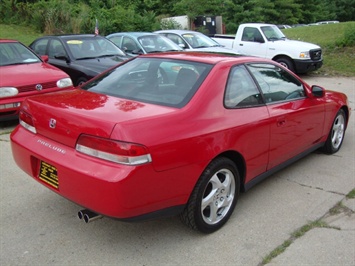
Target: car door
pixel 296 121
pixel 249 121
pixel 252 43
pixel 178 40
pixel 130 46
pixel 58 56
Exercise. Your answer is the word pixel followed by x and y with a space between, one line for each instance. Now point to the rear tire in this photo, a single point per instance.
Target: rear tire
pixel 336 133
pixel 214 197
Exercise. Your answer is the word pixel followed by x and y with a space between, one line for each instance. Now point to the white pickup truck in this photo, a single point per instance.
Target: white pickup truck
pixel 268 41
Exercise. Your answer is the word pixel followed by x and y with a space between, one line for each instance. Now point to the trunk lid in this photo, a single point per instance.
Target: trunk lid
pixel 63 116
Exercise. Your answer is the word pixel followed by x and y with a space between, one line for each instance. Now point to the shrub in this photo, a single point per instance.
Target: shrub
pixel 348 38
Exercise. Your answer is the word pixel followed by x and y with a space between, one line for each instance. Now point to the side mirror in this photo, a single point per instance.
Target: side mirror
pixel 62 57
pixel 318 91
pixel 44 58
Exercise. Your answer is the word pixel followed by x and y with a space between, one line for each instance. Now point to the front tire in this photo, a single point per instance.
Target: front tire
pixel 286 62
pixel 336 133
pixel 214 197
pixel 81 81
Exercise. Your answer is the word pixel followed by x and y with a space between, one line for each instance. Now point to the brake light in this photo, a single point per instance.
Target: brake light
pixel 114 151
pixel 26 121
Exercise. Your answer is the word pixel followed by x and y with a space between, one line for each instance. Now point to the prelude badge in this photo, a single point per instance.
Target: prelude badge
pixel 52 123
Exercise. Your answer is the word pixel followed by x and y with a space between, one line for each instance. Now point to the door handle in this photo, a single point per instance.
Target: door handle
pixel 281 122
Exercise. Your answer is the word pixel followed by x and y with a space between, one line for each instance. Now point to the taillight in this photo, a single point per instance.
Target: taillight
pixel 26 121
pixel 114 151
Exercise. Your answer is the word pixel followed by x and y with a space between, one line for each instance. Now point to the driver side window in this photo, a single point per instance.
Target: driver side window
pixel 276 83
pixel 56 49
pixel 128 45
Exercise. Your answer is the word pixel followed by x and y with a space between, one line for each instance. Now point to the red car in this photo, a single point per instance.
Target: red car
pixel 23 74
pixel 178 133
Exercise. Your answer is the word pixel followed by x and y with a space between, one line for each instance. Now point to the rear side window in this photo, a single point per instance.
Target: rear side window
pixel 152 80
pixel 116 40
pixel 40 47
pixel 276 84
pixel 177 39
pixel 241 90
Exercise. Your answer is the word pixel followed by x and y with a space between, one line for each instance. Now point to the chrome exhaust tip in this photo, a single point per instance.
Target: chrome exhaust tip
pixel 88 216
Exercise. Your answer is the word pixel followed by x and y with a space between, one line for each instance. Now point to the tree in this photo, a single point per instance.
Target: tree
pixel 345 10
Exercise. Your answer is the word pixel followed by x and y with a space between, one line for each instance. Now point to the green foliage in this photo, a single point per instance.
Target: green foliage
pixel 348 37
pixel 79 16
pixel 24 34
pixel 338 60
pixel 170 24
pixel 328 36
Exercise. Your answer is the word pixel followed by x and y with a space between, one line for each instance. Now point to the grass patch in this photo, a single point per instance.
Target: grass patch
pixel 277 251
pixel 304 229
pixel 351 194
pixel 336 209
pixel 24 34
pixel 297 234
pixel 322 35
pixel 6 132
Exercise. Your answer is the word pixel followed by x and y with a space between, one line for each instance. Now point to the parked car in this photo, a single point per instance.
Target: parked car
pixel 195 41
pixel 23 74
pixel 175 133
pixel 136 43
pixel 284 27
pixel 82 56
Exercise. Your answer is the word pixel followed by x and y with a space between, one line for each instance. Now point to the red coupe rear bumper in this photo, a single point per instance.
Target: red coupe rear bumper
pixel 107 188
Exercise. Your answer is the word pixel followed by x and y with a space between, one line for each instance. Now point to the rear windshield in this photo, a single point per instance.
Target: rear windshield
pixel 159 81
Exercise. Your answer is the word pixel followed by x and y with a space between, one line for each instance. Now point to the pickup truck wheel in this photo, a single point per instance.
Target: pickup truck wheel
pixel 286 62
pixel 214 197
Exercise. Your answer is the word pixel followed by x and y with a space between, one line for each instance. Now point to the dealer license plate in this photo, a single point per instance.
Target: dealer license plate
pixel 48 174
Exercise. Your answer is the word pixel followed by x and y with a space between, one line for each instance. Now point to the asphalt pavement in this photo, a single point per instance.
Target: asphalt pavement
pixel 301 214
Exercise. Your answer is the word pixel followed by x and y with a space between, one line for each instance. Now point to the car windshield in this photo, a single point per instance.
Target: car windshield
pixel 273 33
pixel 14 53
pixel 157 43
pixel 199 40
pixel 152 80
pixel 92 47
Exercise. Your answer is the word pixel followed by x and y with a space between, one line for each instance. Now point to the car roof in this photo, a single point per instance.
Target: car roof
pixel 209 58
pixel 178 31
pixel 66 36
pixel 133 33
pixel 7 40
